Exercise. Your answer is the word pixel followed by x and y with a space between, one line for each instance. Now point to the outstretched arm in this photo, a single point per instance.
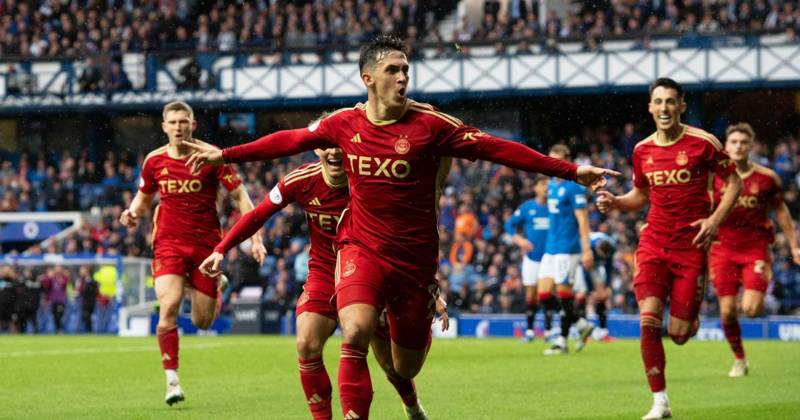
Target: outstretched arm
pixel 250 223
pixel 518 156
pixel 275 145
pixel 242 200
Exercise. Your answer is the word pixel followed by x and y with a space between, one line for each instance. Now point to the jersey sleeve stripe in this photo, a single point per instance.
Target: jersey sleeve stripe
pixel 302 171
pixel 448 116
pixel 768 172
pixel 444 117
pixel 645 141
pixel 154 153
pixel 705 135
pixel 298 178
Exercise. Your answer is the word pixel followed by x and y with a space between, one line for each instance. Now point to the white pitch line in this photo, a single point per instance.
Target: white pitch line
pixel 90 350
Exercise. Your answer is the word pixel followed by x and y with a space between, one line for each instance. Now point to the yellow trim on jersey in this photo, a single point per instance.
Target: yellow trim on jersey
pixel 386 122
pixel 430 107
pixel 154 153
pixel 705 135
pixel 440 115
pixel 297 172
pixel 645 141
pixel 429 110
pixel 684 129
pixel 769 172
pixel 298 178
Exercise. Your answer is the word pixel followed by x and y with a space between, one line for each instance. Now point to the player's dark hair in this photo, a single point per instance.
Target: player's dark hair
pixel 605 248
pixel 382 44
pixel 667 83
pixel 540 178
pixel 743 128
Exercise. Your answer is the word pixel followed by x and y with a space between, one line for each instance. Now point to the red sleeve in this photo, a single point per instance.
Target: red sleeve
pixel 278 144
pixel 147 182
pixel 721 163
pixel 228 177
pixel 639 178
pixel 253 220
pixel 463 141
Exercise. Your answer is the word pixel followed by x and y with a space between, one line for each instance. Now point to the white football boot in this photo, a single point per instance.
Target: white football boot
pixel 174 393
pixel 739 369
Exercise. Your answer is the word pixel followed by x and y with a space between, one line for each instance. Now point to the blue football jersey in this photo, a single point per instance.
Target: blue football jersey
pixel 535 222
pixel 563 198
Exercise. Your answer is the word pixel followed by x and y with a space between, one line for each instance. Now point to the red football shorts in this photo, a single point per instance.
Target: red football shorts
pixel 182 259
pixel 732 268
pixel 679 274
pixel 317 294
pixel 408 297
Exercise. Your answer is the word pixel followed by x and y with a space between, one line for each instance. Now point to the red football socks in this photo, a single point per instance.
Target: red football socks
pixel 168 343
pixel 355 385
pixel 317 387
pixel 652 350
pixel 733 332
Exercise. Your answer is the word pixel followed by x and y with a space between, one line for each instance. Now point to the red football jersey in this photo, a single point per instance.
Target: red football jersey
pixel 188 203
pixel 321 199
pixel 679 177
pixel 393 168
pixel 748 223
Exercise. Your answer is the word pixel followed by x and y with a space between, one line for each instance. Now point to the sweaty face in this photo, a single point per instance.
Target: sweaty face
pixel 178 126
pixel 331 161
pixel 666 107
pixel 390 77
pixel 738 145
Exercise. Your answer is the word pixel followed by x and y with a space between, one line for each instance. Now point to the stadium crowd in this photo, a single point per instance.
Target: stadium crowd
pixel 48 28
pixel 478 265
pixel 99 32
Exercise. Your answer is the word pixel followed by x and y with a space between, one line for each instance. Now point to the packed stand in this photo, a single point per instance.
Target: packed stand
pixel 591 22
pixel 47 28
pixel 479 266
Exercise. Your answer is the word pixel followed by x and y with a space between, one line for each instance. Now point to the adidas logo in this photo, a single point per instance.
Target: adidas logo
pixel 351 415
pixel 165 356
pixel 164 171
pixel 315 399
pixel 356 138
pixel 653 371
pixel 314 202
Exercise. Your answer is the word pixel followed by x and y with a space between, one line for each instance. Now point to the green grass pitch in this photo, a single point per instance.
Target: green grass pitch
pixel 256 377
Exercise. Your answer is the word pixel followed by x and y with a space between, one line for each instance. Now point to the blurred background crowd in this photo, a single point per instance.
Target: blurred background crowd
pixel 274 32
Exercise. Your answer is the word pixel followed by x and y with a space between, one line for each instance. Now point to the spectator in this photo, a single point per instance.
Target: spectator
pixel 91 77
pixel 87 288
pixel 54 283
pixel 190 75
pixel 118 80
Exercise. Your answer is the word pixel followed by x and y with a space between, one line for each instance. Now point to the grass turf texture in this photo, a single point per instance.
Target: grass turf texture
pixel 256 377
